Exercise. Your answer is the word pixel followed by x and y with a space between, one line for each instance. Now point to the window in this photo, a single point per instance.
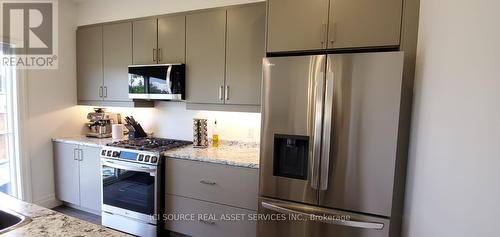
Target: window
pixel 8 155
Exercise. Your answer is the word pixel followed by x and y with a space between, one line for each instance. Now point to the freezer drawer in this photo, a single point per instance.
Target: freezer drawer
pixel 298 220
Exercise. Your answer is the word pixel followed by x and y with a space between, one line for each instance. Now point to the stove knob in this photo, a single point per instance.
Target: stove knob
pixel 141 157
pixel 103 152
pixel 146 159
pixel 154 159
pixel 109 153
pixel 116 153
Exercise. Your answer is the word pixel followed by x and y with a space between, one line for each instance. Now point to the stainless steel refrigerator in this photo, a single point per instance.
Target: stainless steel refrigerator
pixel 329 144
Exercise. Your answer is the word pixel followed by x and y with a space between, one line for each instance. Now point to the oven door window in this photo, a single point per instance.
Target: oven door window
pixel 130 190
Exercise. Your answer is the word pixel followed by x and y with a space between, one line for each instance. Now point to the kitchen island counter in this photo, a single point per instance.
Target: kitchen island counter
pixel 45 222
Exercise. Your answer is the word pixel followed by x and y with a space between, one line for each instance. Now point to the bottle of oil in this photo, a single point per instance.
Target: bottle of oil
pixel 215 136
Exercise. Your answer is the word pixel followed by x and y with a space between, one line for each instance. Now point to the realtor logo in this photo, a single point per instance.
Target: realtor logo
pixel 29 33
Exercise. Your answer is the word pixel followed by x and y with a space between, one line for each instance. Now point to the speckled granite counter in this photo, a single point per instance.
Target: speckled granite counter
pixel 232 153
pixel 86 141
pixel 45 222
pixel 228 153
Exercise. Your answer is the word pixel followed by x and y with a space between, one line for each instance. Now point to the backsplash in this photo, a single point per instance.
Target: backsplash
pixel 172 120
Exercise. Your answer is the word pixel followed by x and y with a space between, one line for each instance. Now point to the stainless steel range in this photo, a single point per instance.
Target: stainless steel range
pixel 132 184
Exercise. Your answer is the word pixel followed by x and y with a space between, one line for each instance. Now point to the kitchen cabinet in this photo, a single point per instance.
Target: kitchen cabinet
pixel 224 52
pixel 66 172
pixel 295 25
pixel 206 188
pixel 144 41
pixel 161 40
pixel 244 52
pixel 103 55
pixel 90 178
pixel 89 63
pixel 78 175
pixel 117 56
pixel 205 56
pixel 172 39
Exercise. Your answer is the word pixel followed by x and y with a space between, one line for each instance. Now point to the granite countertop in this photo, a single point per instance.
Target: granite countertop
pixel 45 222
pixel 233 153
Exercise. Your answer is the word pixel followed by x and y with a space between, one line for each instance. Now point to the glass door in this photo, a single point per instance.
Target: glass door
pixel 8 155
pixel 128 188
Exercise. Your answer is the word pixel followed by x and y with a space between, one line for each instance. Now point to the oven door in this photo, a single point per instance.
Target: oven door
pixel 130 189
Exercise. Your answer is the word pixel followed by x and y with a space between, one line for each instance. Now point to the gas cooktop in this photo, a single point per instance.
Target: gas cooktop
pixel 150 144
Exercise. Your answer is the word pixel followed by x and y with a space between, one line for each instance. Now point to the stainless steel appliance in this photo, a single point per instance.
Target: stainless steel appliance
pixel 100 123
pixel 157 82
pixel 329 143
pixel 133 184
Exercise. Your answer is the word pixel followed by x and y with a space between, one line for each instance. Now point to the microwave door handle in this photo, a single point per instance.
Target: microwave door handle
pixel 327 132
pixel 168 79
pixel 318 114
pixel 288 209
pixel 127 167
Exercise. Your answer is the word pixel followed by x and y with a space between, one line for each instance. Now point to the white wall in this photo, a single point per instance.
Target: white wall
pixel 51 109
pixel 97 11
pixel 453 185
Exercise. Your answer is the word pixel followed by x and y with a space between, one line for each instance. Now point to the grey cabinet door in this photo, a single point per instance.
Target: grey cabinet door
pixel 172 39
pixel 205 56
pixel 66 172
pixel 90 178
pixel 89 63
pixel 295 25
pixel 117 55
pixel 364 23
pixel 244 52
pixel 144 41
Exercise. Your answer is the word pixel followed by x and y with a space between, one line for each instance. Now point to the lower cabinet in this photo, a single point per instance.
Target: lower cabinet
pixel 221 198
pixel 208 219
pixel 78 175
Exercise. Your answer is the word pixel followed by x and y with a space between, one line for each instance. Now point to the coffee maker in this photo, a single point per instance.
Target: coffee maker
pixel 100 123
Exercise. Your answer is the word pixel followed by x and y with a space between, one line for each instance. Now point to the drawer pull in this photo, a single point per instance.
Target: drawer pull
pixel 207 182
pixel 207 222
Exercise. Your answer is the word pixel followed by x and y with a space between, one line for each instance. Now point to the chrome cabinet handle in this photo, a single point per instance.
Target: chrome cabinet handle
pixel 318 114
pixel 75 154
pixel 319 216
pixel 160 57
pixel 206 222
pixel 100 91
pixel 221 88
pixel 208 182
pixel 331 35
pixel 154 55
pixel 80 154
pixel 105 92
pixel 226 92
pixel 327 129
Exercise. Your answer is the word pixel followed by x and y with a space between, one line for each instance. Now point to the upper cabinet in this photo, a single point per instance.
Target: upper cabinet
pixel 224 51
pixel 89 63
pixel 103 55
pixel 244 52
pixel 295 25
pixel 205 56
pixel 172 39
pixel 160 40
pixel 117 55
pixel 144 41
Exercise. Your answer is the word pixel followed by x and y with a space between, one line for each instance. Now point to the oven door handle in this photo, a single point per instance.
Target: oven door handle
pixel 129 167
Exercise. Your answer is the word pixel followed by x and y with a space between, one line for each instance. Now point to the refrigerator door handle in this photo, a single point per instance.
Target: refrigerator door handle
pixel 318 119
pixel 321 216
pixel 327 131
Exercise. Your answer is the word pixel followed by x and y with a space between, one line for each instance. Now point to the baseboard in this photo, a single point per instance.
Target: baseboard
pixel 49 201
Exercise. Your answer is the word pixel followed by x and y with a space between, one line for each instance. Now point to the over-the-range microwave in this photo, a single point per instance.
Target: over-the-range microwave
pixel 157 81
